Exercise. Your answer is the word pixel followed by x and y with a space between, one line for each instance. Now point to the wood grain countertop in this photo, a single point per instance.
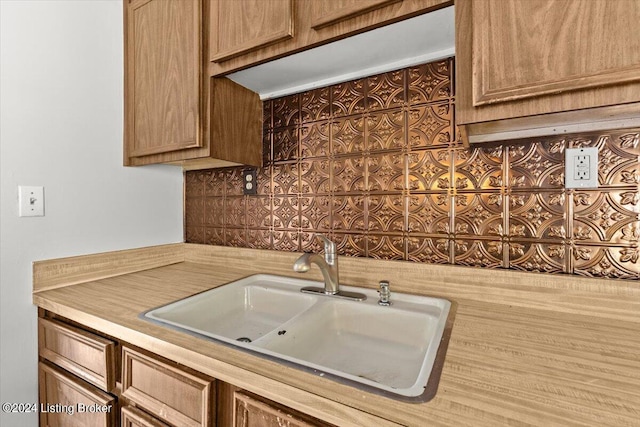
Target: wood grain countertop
pixel 525 348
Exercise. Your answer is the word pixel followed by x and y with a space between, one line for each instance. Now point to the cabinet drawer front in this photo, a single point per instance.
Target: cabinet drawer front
pixel 82 353
pixel 133 417
pixel 171 394
pixel 68 401
pixel 251 412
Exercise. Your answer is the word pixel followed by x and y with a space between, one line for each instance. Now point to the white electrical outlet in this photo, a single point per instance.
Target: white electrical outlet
pixel 30 201
pixel 581 167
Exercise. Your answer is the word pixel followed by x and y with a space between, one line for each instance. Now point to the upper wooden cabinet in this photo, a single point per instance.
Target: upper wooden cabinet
pixel 169 108
pixel 519 58
pixel 244 25
pixel 163 59
pixel 325 13
pixel 248 32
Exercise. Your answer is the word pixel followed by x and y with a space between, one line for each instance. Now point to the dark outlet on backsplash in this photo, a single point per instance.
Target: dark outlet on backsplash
pixel 375 164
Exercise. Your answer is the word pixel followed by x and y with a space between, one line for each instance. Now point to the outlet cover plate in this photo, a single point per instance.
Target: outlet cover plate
pixel 581 167
pixel 249 182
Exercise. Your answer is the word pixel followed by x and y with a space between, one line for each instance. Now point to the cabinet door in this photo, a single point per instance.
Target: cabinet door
pixel 70 402
pixel 251 412
pixel 519 58
pixel 325 13
pixel 528 48
pixel 240 26
pixel 164 52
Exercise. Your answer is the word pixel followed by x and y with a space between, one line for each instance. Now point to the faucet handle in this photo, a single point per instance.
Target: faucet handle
pixel 329 246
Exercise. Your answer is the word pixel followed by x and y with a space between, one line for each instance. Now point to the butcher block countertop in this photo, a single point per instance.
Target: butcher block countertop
pixel 525 348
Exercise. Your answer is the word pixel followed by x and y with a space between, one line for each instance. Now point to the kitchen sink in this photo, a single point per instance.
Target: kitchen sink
pixel 388 349
pixel 241 311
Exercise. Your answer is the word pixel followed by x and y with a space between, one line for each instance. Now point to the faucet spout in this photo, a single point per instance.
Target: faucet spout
pixel 328 266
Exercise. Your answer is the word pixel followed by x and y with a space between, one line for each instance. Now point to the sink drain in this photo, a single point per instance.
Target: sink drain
pixel 243 339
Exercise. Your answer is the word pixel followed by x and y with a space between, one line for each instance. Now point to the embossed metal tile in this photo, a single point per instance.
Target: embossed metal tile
pixel 314 139
pixel 429 250
pixel 286 111
pixel 478 253
pixel 386 172
pixel 348 174
pixel 315 105
pixel 315 212
pixel 542 257
pixel 386 90
pixel 606 216
pixel 348 98
pixel 613 262
pixel 430 125
pixel 386 213
pixel 430 82
pixel 347 135
pixel 386 246
pixel 348 213
pixel 315 176
pixel 538 165
pixel 386 131
pixel 285 144
pixel 479 214
pixel 376 164
pixel 429 170
pixel 429 213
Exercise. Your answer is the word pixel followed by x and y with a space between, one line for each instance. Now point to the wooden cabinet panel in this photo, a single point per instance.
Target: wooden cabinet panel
pixel 67 401
pixel 528 48
pixel 527 68
pixel 239 26
pixel 82 353
pixel 328 13
pixel 164 53
pixel 170 113
pixel 176 396
pixel 315 22
pixel 133 417
pixel 252 412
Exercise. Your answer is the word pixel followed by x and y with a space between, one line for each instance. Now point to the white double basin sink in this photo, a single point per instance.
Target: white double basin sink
pixel 389 348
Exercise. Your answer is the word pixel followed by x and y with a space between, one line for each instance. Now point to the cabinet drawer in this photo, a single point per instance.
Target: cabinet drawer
pixel 175 396
pixel 68 401
pixel 252 412
pixel 82 353
pixel 133 417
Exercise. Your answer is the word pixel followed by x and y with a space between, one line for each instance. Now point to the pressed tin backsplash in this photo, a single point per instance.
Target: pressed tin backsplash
pixel 375 164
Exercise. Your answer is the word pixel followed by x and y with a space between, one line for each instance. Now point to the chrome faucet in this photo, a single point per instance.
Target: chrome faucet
pixel 328 265
pixel 329 268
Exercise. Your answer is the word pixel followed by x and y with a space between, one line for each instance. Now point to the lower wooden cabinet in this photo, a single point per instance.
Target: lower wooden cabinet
pixel 68 401
pixel 148 390
pixel 172 394
pixel 82 353
pixel 255 412
pixel 134 417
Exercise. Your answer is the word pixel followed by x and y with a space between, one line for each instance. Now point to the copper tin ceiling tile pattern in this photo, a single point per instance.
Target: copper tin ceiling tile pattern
pixel 376 165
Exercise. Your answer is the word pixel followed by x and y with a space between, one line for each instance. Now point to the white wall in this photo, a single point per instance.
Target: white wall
pixel 61 127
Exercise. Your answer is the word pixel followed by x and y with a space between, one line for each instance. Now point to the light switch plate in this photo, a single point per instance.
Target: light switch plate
pixel 581 167
pixel 30 201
